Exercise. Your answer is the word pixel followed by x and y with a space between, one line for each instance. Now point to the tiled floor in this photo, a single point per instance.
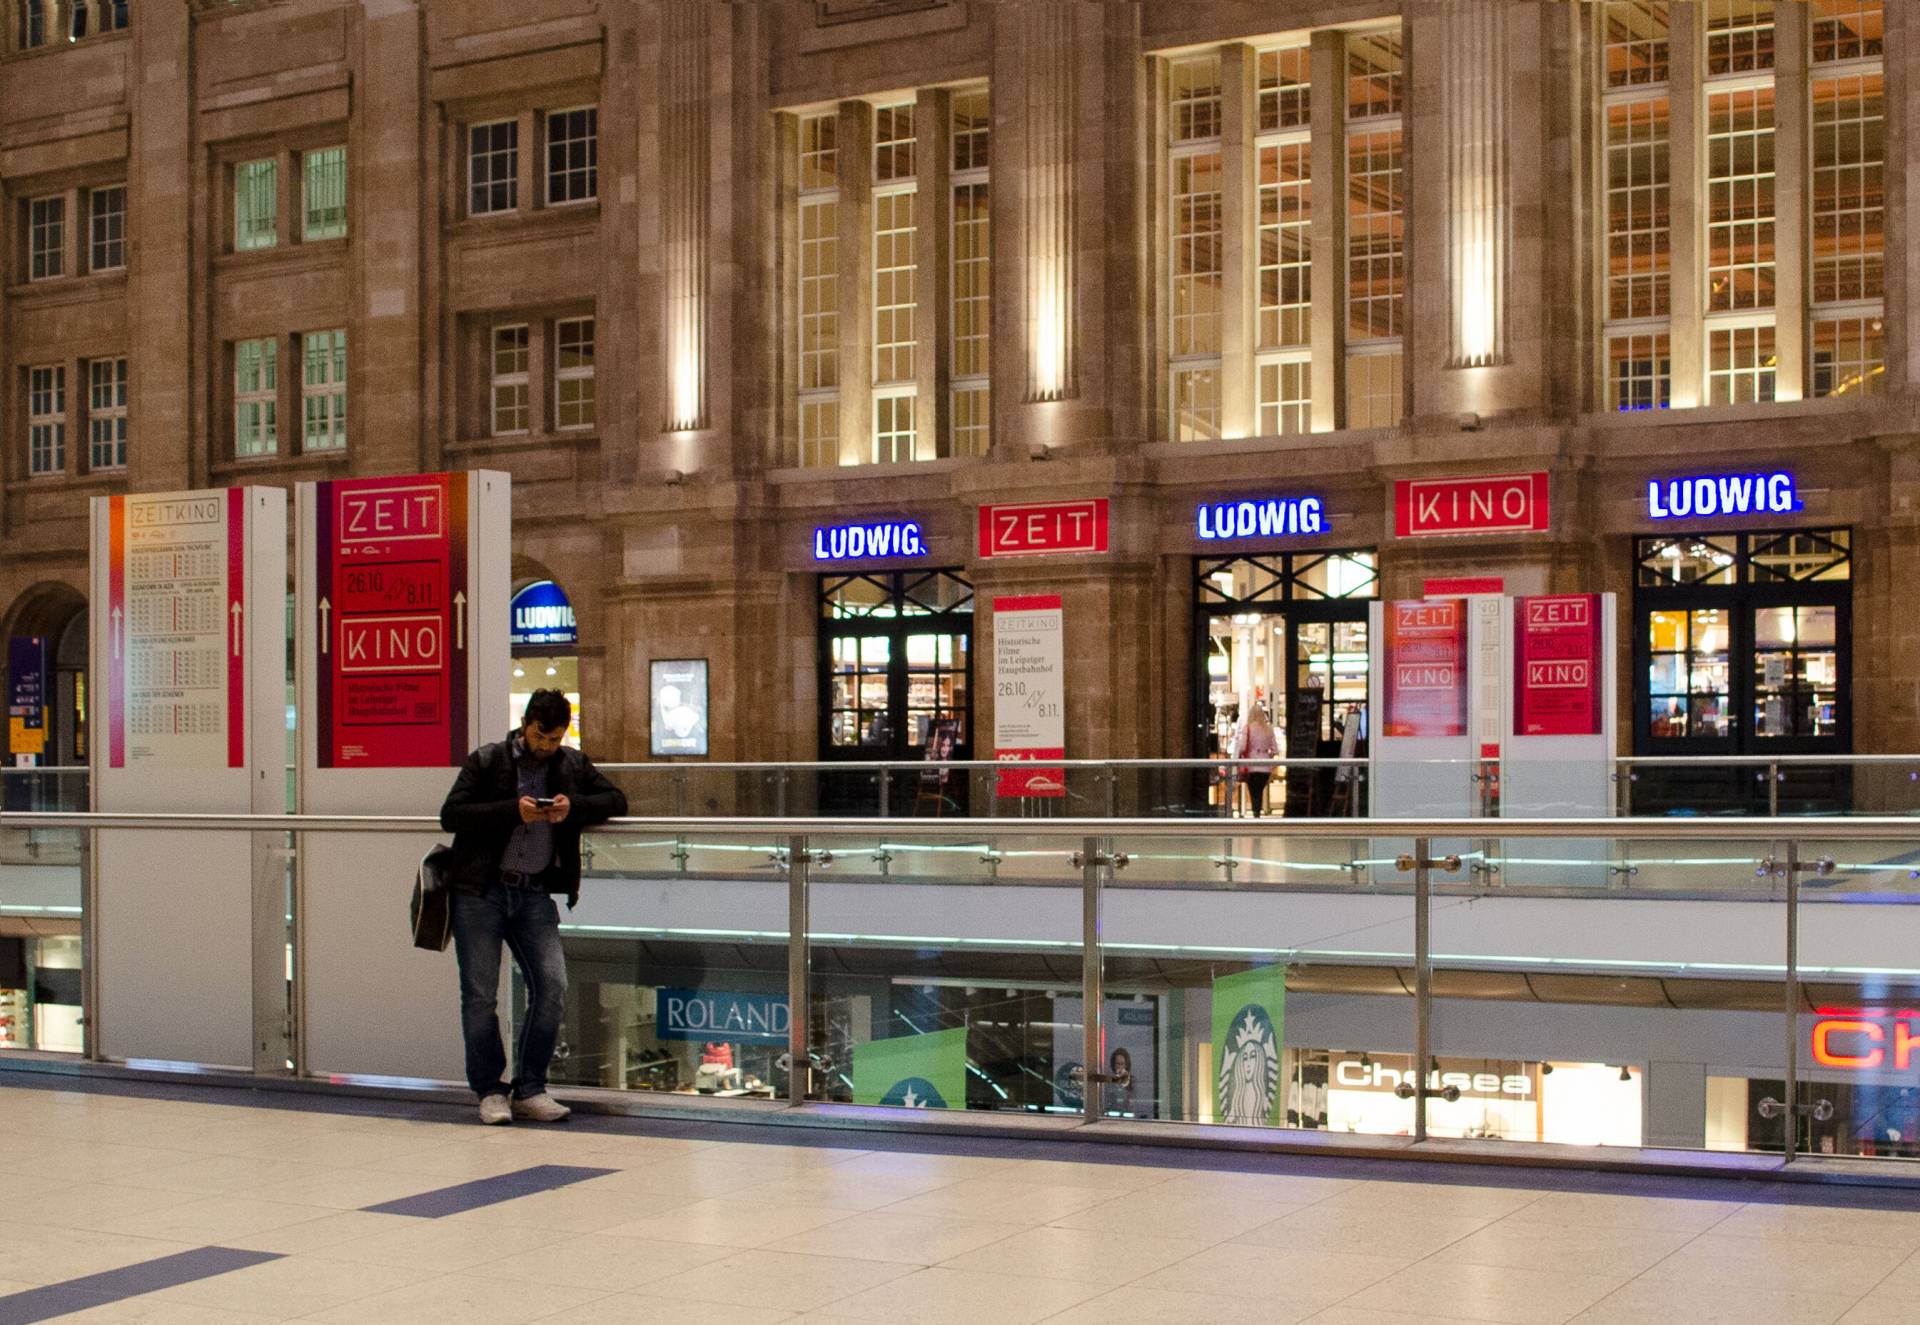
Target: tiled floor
pixel 183 1206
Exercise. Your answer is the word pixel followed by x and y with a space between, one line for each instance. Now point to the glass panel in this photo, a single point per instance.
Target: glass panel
pixel 1691 559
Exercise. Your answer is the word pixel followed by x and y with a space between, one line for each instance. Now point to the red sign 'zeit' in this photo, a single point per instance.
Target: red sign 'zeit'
pixel 1500 504
pixel 1032 529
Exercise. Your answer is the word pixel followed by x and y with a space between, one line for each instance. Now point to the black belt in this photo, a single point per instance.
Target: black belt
pixel 515 879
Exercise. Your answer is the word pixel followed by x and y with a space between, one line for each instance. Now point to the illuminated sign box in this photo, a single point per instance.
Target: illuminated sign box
pixel 1269 517
pixel 1705 495
pixel 881 538
pixel 542 615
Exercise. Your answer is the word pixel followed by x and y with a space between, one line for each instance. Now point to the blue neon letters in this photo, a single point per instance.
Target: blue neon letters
pixel 1722 494
pixel 885 538
pixel 1274 515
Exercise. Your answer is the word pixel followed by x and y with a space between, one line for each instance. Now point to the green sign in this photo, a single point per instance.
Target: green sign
pixel 1249 1012
pixel 913 1071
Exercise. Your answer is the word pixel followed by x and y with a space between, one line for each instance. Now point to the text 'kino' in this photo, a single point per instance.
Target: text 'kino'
pixel 1723 494
pixel 1275 515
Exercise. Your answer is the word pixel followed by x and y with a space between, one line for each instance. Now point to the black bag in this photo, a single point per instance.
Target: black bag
pixel 433 901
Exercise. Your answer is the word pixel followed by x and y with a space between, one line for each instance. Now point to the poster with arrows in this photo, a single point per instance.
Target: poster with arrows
pixel 176 692
pixel 392 621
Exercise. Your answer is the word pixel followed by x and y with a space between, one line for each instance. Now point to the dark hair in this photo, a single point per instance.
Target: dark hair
pixel 549 710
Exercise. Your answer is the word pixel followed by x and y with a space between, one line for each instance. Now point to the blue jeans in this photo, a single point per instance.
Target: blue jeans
pixel 528 922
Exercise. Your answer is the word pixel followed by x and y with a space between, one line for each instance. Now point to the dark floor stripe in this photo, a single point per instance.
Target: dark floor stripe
pixel 96 1290
pixel 487 1191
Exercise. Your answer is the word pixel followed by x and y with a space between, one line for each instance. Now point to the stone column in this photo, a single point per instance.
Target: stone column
pixel 1791 113
pixel 684 219
pixel 853 136
pixel 1327 231
pixel 1686 176
pixel 1478 203
pixel 386 366
pixel 933 277
pixel 1240 240
pixel 1902 194
pixel 163 358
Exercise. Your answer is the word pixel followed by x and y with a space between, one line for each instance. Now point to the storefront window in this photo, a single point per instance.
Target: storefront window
pixel 897 663
pixel 1286 632
pixel 1743 645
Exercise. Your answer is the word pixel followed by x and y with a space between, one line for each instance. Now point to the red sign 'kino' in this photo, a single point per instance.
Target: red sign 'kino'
pixel 1498 504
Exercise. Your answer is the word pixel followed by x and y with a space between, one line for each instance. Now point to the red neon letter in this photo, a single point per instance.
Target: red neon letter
pixel 1824 1054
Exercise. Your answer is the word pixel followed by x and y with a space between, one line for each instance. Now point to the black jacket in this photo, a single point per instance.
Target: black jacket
pixel 483 809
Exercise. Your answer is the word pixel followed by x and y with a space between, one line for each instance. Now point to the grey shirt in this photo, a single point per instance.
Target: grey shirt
pixel 530 849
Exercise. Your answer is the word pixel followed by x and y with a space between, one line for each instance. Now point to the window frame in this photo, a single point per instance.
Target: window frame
pixel 113 414
pixel 509 155
pixel 249 236
pixel 330 392
pixel 520 379
pixel 563 376
pixel 46 263
pixel 591 170
pixel 116 243
pixel 325 233
pixel 46 427
pixel 264 395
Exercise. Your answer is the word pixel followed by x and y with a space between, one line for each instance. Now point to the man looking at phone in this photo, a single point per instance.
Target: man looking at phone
pixel 516 813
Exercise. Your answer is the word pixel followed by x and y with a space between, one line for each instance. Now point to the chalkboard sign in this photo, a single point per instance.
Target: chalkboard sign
pixel 1303 742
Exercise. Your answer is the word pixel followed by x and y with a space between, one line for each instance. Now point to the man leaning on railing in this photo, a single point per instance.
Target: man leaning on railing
pixel 516 813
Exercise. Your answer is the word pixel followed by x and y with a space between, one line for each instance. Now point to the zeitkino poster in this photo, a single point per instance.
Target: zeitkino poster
pixel 176 655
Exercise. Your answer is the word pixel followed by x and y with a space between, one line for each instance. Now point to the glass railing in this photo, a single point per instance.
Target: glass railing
pixel 1695 984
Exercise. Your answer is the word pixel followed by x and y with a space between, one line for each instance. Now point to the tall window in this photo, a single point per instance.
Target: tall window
pixel 46 420
pixel 324 192
pixel 972 274
pixel 323 391
pixel 1197 267
pixel 512 404
pixel 819 293
pixel 1846 347
pixel 33 24
pixel 573 155
pixel 1739 97
pixel 256 392
pixel 107 228
pixel 1639 228
pixel 573 373
pixel 493 167
pixel 1376 229
pixel 895 305
pixel 256 204
pixel 47 237
pixel 107 414
pixel 1284 277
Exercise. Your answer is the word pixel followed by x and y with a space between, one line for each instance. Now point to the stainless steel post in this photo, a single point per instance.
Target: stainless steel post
pixel 272 1015
pixel 1422 981
pixel 1791 984
pixel 89 949
pixel 799 1017
pixel 1773 790
pixel 886 798
pixel 1094 855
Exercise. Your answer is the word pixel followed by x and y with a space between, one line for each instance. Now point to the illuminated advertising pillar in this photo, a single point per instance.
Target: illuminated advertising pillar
pixel 404 667
pixel 188 650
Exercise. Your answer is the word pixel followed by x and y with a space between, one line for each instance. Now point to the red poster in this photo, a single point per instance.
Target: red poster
pixel 1427 667
pixel 392 608
pixel 1556 660
pixel 1032 529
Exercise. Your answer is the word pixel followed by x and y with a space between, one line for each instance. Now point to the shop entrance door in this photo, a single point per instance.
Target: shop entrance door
pixel 1742 647
pixel 1286 632
pixel 896 683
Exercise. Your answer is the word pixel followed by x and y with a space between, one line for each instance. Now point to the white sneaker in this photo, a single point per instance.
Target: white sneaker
pixel 541 1108
pixel 495 1110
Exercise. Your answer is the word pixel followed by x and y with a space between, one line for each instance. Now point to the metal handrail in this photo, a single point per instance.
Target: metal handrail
pixel 1863 828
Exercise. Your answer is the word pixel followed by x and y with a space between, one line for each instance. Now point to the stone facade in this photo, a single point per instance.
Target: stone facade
pixel 678 522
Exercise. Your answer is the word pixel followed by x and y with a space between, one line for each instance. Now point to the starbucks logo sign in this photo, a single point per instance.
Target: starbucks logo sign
pixel 1249 1069
pixel 914 1093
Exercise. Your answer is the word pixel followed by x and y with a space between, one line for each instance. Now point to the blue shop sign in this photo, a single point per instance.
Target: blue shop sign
pixel 27 680
pixel 1704 495
pixel 1270 517
pixel 881 538
pixel 717 1014
pixel 542 616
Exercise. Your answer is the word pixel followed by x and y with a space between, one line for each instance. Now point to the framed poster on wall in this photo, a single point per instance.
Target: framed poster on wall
pixel 679 703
